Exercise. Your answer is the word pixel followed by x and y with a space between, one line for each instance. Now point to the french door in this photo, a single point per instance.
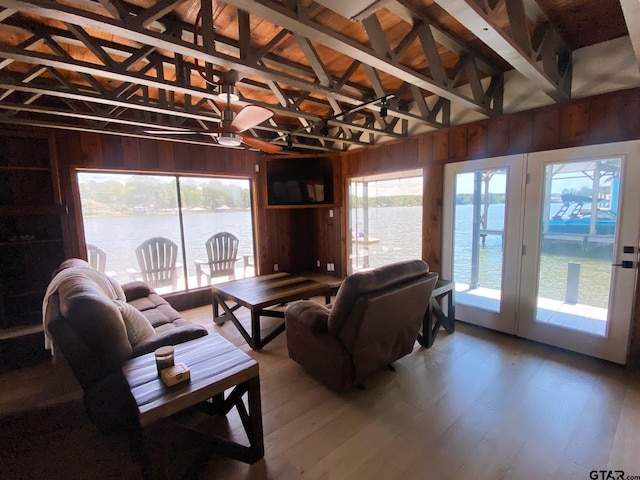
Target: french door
pixel 557 262
pixel 481 229
pixel 580 248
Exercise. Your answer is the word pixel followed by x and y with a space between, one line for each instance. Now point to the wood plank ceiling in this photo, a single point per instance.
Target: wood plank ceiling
pixel 333 83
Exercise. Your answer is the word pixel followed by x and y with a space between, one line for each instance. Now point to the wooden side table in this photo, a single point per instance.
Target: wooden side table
pixel 430 328
pixel 333 282
pixel 216 366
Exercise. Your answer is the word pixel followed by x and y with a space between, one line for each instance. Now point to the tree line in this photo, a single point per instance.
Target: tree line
pixel 146 194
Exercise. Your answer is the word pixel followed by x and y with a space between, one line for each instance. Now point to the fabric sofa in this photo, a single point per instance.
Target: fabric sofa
pixel 96 324
pixel 374 320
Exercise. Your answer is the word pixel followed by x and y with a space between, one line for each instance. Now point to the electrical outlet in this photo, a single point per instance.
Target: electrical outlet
pixel 328 267
pixel 318 263
pixel 275 267
pixel 257 167
pixel 331 213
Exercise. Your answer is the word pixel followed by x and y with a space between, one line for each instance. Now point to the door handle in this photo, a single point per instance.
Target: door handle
pixel 623 264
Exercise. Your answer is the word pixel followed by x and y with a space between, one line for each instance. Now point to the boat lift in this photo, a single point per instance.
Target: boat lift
pixel 597 230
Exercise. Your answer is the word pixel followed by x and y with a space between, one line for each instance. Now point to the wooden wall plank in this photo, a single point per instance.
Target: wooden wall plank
pixel 441 146
pixel 432 215
pixel 112 152
pixel 91 150
pixel 498 137
pixel 546 128
pixel 477 140
pixel 458 143
pixel 73 153
pixel 520 132
pixel 574 123
pixel 131 153
pixel 386 157
pixel 425 149
pixel 182 157
pixel 407 150
pixel 198 158
pixel 605 120
pixel 630 112
pixel 165 156
pixel 149 158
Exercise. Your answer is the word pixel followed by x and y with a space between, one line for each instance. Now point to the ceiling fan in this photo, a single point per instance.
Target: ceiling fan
pixel 230 131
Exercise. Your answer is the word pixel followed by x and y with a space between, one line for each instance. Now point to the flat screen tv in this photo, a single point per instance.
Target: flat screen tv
pixel 296 187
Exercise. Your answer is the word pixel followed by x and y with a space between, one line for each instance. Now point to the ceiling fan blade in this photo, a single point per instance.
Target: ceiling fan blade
pixel 249 117
pixel 260 144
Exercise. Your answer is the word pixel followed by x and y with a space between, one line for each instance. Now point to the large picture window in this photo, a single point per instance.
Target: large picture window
pixel 385 219
pixel 156 227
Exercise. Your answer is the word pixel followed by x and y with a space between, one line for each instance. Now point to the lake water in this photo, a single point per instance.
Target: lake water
pixel 595 268
pixel 397 228
pixel 119 236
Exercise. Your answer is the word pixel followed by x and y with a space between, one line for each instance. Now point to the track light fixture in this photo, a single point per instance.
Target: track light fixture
pixel 324 130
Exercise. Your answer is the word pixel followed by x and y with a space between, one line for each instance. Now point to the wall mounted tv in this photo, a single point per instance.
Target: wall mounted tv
pixel 299 183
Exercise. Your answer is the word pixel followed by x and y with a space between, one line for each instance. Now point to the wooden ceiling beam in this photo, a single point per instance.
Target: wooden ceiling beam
pixel 403 10
pixel 115 8
pixel 160 40
pixel 314 60
pixel 553 77
pixel 631 11
pixel 280 15
pixel 157 11
pixel 122 64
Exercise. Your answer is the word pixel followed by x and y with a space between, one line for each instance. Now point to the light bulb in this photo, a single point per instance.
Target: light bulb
pixel 228 93
pixel 230 139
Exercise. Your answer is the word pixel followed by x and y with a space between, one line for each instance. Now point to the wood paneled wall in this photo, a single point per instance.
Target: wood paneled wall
pixel 296 239
pixel 292 238
pixel 611 117
pixel 286 236
pixel 108 152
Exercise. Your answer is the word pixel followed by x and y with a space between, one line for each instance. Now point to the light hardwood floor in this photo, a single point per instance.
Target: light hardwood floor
pixel 477 405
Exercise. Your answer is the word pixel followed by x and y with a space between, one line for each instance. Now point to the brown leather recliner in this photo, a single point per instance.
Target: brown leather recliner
pixel 375 320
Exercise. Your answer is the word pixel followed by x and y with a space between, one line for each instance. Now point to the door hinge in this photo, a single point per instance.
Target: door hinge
pixel 524 250
pixel 528 179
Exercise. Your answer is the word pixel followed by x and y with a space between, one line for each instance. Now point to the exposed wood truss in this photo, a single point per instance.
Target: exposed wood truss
pixel 126 68
pixel 631 10
pixel 528 42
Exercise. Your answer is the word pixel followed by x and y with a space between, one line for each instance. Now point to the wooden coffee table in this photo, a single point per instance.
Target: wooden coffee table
pixel 216 366
pixel 258 294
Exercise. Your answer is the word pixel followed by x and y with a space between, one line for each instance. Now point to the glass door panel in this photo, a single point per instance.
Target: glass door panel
pixel 385 219
pixel 122 211
pixel 580 227
pixel 211 206
pixel 481 215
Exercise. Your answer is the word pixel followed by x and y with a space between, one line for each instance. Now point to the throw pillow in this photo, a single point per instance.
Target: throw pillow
pixel 138 327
